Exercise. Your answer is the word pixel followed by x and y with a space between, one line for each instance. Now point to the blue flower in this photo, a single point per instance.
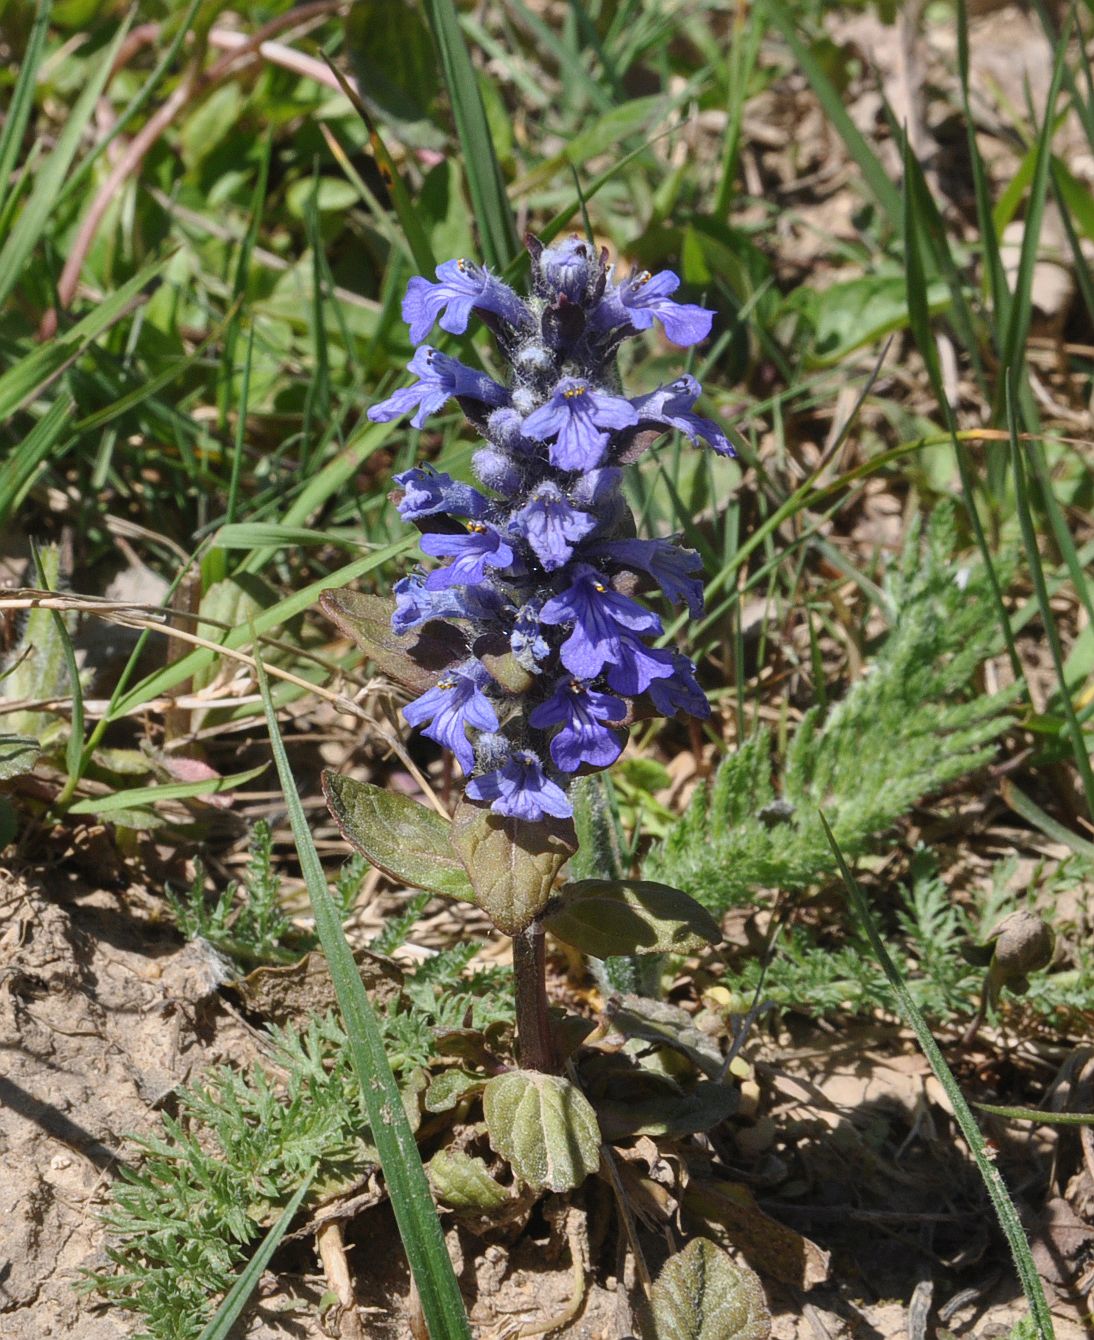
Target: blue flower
pixel 455 703
pixel 595 488
pixel 551 526
pixel 526 641
pixel 600 617
pixel 637 666
pixel 478 548
pixel 642 297
pixel 415 606
pixel 569 267
pixel 520 789
pixel 680 692
pixel 463 288
pixel 671 406
pixel 428 492
pixel 442 378
pixel 667 564
pixel 578 419
pixel 580 711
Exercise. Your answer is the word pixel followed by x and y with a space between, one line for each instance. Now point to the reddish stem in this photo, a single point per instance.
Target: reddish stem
pixel 534 1047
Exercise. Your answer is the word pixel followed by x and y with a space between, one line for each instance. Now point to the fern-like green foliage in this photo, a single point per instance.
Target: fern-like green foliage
pixel 183 1220
pixel 909 726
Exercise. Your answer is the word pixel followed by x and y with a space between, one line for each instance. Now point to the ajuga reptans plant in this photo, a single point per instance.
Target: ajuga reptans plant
pixel 529 644
pixel 541 569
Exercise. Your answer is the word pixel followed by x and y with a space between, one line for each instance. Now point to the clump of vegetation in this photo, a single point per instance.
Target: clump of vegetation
pixel 247 920
pixel 913 723
pixel 184 1216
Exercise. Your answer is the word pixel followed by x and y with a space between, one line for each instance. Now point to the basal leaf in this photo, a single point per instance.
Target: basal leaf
pixel 18 755
pixel 701 1295
pixel 512 864
pixel 400 837
pixel 544 1126
pixel 464 1183
pixel 605 917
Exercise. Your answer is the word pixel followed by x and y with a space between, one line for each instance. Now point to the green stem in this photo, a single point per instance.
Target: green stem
pixel 534 1047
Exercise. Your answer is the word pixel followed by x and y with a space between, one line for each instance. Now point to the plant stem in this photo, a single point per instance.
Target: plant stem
pixel 533 1032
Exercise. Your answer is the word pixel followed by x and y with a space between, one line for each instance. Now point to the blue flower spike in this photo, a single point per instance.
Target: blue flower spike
pixel 542 559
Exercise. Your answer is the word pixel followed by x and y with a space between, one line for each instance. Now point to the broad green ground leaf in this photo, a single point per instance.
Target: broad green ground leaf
pixel 847 315
pixel 413 661
pixel 512 864
pixel 701 1295
pixel 464 1183
pixel 604 917
pixel 400 837
pixel 449 1088
pixel 18 755
pixel 544 1126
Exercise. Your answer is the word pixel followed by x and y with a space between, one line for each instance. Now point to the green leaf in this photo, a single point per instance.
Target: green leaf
pixel 50 180
pixel 149 795
pixel 544 1126
pixel 489 202
pixel 414 661
pixel 18 755
pixel 228 1313
pixel 451 1087
pixel 605 917
pixel 405 840
pixel 395 63
pixel 845 316
pixel 513 864
pixel 464 1183
pixel 702 1295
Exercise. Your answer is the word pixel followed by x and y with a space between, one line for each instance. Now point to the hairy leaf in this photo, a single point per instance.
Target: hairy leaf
pixel 414 660
pixel 464 1183
pixel 18 755
pixel 513 864
pixel 400 837
pixel 603 917
pixel 544 1126
pixel 701 1295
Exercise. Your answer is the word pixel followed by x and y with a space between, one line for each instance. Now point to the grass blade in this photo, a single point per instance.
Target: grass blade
pixel 1052 633
pixel 998 288
pixel 919 321
pixel 882 189
pixel 140 796
pixel 484 179
pixel 1013 351
pixel 22 100
pixel 18 472
pixel 27 231
pixel 187 666
pixel 26 378
pixel 220 1325
pixel 415 1213
pixel 996 1188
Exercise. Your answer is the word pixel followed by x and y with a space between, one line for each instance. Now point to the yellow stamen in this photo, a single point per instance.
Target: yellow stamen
pixel 573 392
pixel 476 527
